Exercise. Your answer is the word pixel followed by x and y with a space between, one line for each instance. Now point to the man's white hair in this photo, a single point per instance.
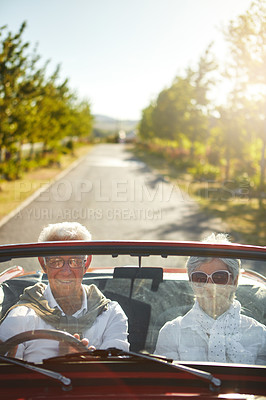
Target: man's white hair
pixel 64 231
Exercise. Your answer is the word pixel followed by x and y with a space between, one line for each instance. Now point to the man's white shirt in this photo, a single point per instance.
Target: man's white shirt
pixel 110 329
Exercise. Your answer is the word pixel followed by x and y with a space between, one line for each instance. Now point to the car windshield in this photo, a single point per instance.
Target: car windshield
pixel 187 307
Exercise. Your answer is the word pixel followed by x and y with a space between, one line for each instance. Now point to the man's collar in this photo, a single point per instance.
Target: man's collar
pixel 53 303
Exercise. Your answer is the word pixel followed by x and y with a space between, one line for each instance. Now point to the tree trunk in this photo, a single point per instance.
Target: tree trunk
pixel 262 173
pixel 227 166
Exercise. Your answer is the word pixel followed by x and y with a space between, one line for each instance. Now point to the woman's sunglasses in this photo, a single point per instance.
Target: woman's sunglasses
pixel 218 277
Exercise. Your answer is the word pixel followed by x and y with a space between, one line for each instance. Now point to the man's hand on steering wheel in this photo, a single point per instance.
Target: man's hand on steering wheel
pixel 65 348
pixel 68 343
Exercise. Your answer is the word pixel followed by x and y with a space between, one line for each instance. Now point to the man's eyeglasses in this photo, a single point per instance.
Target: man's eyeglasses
pixel 57 262
pixel 218 277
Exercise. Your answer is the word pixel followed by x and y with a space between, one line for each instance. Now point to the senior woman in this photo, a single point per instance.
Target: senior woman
pixel 65 304
pixel 214 329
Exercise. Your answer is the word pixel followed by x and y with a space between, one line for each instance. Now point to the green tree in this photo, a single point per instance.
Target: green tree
pixel 172 113
pixel 34 107
pixel 246 36
pixel 145 127
pixel 13 64
pixel 227 140
pixel 180 112
pixel 80 121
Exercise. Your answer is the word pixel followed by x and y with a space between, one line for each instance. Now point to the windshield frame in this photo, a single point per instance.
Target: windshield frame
pixel 137 248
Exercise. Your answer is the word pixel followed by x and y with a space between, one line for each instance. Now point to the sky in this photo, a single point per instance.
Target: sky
pixel 119 54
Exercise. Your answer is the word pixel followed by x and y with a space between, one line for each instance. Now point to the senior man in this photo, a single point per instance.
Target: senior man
pixel 65 304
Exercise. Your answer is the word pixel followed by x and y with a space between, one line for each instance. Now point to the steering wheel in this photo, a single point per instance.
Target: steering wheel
pixel 49 334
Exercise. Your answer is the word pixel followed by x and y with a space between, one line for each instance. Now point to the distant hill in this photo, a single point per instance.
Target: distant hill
pixel 108 124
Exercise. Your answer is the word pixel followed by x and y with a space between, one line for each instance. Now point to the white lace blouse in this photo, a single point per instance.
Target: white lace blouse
pixel 232 337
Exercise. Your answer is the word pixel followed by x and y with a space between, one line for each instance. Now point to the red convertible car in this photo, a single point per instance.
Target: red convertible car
pixel 150 282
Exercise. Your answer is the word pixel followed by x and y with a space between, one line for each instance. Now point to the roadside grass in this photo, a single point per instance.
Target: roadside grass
pixel 245 217
pixel 13 193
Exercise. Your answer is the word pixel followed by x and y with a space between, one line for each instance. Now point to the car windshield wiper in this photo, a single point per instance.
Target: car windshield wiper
pixel 55 375
pixel 215 383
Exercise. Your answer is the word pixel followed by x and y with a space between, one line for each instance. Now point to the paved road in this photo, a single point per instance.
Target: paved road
pixel 117 197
